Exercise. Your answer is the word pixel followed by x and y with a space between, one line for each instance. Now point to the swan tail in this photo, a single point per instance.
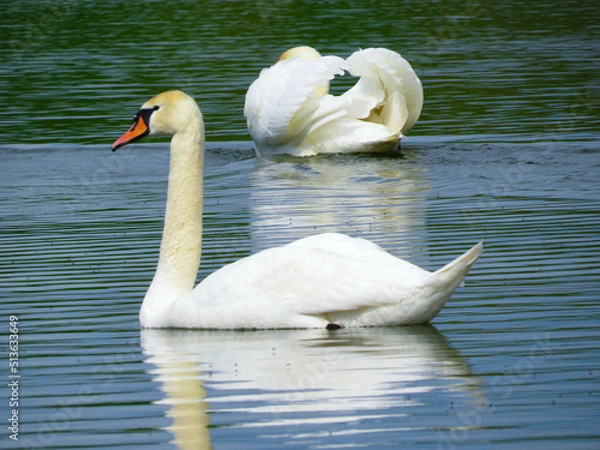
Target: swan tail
pixel 438 287
pixel 463 263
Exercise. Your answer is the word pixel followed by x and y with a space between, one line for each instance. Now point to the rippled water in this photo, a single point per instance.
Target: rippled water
pixel 511 359
pixel 507 149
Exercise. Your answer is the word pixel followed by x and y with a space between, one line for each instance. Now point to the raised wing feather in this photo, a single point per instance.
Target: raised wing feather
pixel 394 74
pixel 279 92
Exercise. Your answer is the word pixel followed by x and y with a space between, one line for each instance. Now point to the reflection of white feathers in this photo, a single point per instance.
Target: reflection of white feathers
pixel 350 375
pixel 382 198
pixel 289 108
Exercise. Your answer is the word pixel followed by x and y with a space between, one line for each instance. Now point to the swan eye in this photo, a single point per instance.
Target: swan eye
pixel 144 114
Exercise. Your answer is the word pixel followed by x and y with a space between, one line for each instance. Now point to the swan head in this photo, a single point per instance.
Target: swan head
pixel 169 112
pixel 303 52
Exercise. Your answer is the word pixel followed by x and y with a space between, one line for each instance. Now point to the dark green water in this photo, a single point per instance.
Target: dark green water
pixel 507 149
pixel 75 70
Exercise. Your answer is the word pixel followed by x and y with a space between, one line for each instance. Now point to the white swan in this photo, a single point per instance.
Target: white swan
pixel 289 109
pixel 327 280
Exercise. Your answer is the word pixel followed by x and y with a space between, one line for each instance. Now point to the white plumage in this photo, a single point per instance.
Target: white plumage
pixel 311 283
pixel 289 108
pixel 315 281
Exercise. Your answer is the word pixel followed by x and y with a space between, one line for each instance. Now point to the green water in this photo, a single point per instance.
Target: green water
pixel 507 149
pixel 73 71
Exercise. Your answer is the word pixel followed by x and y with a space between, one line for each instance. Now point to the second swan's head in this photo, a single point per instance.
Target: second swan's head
pixel 303 52
pixel 169 113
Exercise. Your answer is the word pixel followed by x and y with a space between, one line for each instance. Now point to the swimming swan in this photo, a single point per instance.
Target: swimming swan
pixel 289 109
pixel 323 281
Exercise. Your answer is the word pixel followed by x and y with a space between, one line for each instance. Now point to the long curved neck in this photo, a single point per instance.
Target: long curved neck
pixel 181 244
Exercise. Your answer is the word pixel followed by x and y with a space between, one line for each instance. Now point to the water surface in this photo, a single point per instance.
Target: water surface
pixel 506 150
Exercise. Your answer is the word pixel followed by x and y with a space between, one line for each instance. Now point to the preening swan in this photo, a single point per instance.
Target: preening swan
pixel 323 281
pixel 289 109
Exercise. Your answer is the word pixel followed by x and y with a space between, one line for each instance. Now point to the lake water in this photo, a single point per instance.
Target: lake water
pixel 507 149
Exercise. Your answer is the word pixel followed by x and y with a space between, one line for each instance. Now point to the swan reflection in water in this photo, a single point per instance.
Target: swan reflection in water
pixel 283 376
pixel 379 197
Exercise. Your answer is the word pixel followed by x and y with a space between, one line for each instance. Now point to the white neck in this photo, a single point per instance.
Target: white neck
pixel 181 244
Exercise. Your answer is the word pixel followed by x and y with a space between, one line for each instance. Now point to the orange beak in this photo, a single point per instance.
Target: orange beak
pixel 138 130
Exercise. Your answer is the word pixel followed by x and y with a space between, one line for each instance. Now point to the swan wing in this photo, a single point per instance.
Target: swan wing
pixel 348 135
pixel 364 97
pixel 316 281
pixel 393 74
pixel 302 285
pixel 279 93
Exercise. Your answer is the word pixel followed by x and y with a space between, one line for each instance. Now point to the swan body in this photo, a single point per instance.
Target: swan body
pixel 289 108
pixel 311 283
